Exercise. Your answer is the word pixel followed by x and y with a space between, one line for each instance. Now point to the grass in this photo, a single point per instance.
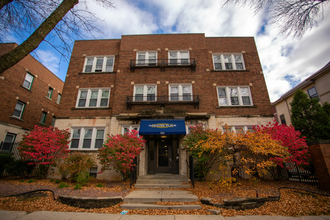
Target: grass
pixel 31 181
pixel 99 185
pixel 63 185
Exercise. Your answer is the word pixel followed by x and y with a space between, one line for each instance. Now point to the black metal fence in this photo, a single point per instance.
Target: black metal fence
pixel 133 172
pixel 305 174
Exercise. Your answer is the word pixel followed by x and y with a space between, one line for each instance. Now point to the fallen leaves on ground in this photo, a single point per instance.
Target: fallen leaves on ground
pixel 292 202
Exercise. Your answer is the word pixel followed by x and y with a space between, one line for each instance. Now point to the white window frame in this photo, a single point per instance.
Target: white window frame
pixel 21 111
pixel 178 57
pixel 223 66
pixel 82 136
pixel 146 61
pixel 129 128
pixel 180 98
pixel 240 101
pixel 88 97
pixel 235 128
pixel 104 64
pixel 31 82
pixel 145 92
pixel 59 96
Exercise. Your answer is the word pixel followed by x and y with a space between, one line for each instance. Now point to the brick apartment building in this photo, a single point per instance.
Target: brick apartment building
pixel 160 85
pixel 29 95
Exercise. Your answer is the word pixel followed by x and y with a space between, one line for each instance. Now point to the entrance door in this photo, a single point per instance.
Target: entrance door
pixel 164 156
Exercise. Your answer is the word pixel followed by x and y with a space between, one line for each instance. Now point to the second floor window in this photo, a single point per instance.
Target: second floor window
pixel 312 93
pixel 50 92
pixel 99 64
pixel 178 57
pixel 28 81
pixel 228 62
pixel 19 108
pixel 146 58
pixel 234 96
pixel 180 92
pixel 145 93
pixel 97 97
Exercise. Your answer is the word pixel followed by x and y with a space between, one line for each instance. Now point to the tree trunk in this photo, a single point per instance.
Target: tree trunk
pixel 4 2
pixel 11 58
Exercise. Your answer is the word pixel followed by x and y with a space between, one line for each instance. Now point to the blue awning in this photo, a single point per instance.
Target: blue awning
pixel 159 127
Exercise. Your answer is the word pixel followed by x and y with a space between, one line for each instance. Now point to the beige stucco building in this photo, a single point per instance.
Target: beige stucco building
pixel 316 86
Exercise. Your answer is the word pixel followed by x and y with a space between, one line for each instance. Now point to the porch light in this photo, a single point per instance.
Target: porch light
pixel 163 136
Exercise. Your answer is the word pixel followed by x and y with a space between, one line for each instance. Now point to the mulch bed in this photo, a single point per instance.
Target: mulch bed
pixel 292 202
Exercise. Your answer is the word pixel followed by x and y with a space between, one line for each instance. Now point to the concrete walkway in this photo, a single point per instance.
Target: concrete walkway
pixel 45 215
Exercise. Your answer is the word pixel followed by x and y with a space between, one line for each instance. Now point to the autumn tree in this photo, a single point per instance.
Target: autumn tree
pixel 204 159
pixel 119 151
pixel 43 146
pixel 294 143
pixel 293 17
pixel 309 117
pixel 40 18
pixel 250 152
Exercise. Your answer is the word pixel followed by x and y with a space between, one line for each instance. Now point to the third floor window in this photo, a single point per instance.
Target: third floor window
pixel 228 62
pixel 99 64
pixel 146 58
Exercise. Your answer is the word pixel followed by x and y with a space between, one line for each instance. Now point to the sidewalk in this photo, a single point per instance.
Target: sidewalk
pixel 46 215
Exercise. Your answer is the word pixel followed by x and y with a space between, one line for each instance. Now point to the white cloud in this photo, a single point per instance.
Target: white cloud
pixel 49 60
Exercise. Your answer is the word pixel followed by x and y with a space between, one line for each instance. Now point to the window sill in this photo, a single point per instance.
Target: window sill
pixel 89 73
pixel 14 117
pixel 48 98
pixel 26 88
pixel 237 106
pixel 230 70
pixel 95 108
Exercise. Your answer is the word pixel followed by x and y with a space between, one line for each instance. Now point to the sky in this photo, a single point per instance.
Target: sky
pixel 285 61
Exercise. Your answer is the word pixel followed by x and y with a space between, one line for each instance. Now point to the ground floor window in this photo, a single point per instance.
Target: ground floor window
pixel 8 142
pixel 128 128
pixel 87 138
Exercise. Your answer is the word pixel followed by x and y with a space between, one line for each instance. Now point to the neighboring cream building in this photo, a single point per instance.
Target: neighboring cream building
pixel 316 86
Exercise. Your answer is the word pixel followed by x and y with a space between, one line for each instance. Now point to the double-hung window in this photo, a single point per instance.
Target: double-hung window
pixel 146 58
pixel 312 93
pixel 8 142
pixel 228 62
pixel 282 118
pixel 92 98
pixel 180 92
pixel 59 96
pixel 145 93
pixel 19 109
pixel 87 138
pixel 234 96
pixel 99 64
pixel 50 92
pixel 128 128
pixel 28 81
pixel 43 117
pixel 178 57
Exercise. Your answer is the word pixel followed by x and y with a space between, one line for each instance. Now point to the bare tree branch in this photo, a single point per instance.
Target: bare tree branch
pixel 292 17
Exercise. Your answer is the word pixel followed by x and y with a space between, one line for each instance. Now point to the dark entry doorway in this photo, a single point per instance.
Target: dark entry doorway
pixel 163 154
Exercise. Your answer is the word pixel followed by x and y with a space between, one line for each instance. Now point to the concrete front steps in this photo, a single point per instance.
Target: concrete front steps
pixel 143 199
pixel 162 181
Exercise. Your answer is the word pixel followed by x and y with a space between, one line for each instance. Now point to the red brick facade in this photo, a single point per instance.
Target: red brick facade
pixel 204 79
pixel 35 100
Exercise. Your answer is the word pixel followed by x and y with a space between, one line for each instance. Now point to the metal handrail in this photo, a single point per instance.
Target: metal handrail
pixel 191 170
pixel 163 62
pixel 133 172
pixel 164 98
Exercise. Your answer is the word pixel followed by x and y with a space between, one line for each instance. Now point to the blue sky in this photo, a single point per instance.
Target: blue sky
pixel 285 61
